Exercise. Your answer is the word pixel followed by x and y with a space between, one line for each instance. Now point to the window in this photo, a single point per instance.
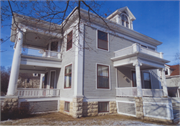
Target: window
pixel 166 72
pixel 54 46
pixel 66 106
pixel 102 40
pixel 67 78
pixel 124 20
pixel 102 76
pixel 69 41
pixel 151 48
pixel 103 106
pixel 147 80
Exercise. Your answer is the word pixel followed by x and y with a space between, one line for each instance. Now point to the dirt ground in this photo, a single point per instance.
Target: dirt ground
pixel 57 118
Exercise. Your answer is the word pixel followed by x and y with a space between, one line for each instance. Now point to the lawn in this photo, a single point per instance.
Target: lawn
pixel 56 118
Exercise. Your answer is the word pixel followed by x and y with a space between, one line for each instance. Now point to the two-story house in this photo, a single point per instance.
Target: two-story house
pixel 96 67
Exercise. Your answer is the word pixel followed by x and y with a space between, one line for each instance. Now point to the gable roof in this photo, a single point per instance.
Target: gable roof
pixel 126 9
pixel 176 70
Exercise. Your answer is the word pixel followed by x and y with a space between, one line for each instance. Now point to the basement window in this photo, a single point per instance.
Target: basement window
pixel 66 106
pixel 103 106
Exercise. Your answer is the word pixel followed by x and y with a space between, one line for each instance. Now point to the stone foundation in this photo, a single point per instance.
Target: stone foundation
pixel 91 109
pixel 139 107
pixel 75 107
pixel 10 103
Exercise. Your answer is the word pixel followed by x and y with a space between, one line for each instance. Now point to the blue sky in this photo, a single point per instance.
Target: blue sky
pixel 159 20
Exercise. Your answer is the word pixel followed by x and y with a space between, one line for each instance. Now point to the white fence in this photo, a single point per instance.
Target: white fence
pixel 152 92
pixel 134 49
pixel 132 92
pixel 126 91
pixel 38 92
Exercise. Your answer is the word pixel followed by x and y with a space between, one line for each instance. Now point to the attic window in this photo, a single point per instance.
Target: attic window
pixel 125 20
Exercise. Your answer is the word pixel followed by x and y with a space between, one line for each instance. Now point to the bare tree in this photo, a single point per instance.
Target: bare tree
pixel 54 12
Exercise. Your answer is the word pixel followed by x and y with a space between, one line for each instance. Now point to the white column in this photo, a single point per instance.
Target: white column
pixel 78 66
pixel 164 82
pixel 15 64
pixel 41 81
pixel 138 79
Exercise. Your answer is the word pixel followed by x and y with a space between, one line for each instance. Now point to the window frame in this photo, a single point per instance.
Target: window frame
pixel 67 74
pixel 107 106
pixel 149 80
pixel 65 105
pixel 97 39
pixel 97 76
pixel 69 40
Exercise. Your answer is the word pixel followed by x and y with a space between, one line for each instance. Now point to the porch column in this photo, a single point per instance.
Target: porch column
pixel 41 81
pixel 164 82
pixel 15 64
pixel 138 79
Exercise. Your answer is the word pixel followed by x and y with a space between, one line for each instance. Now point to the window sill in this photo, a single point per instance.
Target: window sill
pixel 102 49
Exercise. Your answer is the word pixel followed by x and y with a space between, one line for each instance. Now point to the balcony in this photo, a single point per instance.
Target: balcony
pixel 41 53
pixel 32 92
pixel 136 48
pixel 132 92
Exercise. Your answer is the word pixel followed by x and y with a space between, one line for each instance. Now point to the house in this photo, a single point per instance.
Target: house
pixel 173 80
pixel 95 67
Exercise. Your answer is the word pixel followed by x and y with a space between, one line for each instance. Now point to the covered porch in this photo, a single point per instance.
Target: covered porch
pixel 137 72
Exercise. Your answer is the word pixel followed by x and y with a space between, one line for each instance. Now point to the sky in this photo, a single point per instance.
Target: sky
pixel 156 19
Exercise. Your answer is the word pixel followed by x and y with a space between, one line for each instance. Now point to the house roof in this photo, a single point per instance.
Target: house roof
pixel 176 70
pixel 126 9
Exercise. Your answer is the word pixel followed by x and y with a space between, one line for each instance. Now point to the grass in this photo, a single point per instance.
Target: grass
pixel 57 118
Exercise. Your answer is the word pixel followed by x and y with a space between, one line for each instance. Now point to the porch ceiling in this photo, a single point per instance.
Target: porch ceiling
pixel 34 69
pixel 32 39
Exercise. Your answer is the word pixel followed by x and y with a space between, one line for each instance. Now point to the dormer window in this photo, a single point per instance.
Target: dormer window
pixel 125 22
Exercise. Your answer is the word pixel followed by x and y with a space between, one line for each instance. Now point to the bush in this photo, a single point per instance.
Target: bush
pixel 16 113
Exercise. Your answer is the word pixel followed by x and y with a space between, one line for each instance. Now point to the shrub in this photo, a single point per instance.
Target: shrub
pixel 16 113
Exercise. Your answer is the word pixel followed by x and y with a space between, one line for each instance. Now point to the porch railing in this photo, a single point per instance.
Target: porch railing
pixel 136 48
pixel 152 92
pixel 53 54
pixel 132 92
pixel 41 53
pixel 24 92
pixel 126 91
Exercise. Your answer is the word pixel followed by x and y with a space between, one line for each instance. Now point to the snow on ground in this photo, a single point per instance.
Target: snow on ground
pixel 84 122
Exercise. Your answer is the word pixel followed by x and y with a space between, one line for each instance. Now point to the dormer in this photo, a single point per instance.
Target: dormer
pixel 123 16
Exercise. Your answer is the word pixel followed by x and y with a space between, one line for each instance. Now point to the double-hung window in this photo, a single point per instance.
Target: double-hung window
pixel 68 76
pixel 69 41
pixel 102 40
pixel 102 76
pixel 147 80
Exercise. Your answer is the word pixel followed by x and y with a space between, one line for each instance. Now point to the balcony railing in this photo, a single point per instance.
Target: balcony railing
pixel 24 92
pixel 41 53
pixel 137 48
pixel 132 92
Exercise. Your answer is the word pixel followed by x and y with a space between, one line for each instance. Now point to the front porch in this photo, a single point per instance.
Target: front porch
pixel 137 72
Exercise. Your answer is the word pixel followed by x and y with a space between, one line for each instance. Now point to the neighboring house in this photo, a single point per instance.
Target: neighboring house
pixel 29 80
pixel 173 80
pixel 94 70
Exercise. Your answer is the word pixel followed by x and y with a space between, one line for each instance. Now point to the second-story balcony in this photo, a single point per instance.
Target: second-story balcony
pixel 128 57
pixel 136 48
